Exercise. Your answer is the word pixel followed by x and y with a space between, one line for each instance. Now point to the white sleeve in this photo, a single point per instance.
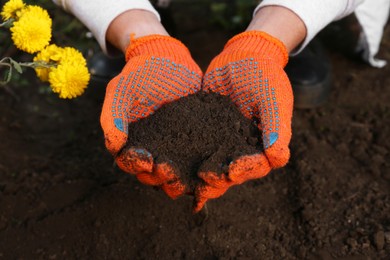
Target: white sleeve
pixel 315 14
pixel 97 15
pixel 372 16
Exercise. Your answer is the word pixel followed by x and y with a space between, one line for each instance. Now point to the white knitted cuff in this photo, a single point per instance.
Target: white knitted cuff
pixel 97 15
pixel 373 19
pixel 315 14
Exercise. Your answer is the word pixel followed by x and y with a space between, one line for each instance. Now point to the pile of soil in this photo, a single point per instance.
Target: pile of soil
pixel 201 132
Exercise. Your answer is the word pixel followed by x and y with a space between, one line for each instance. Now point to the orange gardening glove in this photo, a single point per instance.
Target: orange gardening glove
pixel 250 71
pixel 159 70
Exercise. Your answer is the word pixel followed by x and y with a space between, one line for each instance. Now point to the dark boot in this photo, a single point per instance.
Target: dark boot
pixel 103 68
pixel 310 76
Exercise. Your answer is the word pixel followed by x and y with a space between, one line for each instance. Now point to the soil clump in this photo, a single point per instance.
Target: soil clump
pixel 200 132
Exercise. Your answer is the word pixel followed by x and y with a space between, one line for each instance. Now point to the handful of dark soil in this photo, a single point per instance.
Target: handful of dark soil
pixel 201 132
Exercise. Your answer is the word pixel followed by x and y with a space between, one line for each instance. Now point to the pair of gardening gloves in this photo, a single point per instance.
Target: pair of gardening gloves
pixel 160 70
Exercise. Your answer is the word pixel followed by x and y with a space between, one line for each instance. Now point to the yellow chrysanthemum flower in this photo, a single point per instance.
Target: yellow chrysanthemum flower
pixel 71 76
pixel 32 31
pixel 51 53
pixel 72 56
pixel 11 8
pixel 69 80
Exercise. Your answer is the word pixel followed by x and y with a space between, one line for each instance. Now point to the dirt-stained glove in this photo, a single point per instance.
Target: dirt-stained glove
pixel 159 70
pixel 250 71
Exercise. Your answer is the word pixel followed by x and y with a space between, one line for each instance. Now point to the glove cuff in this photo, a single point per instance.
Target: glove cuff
pixel 157 45
pixel 260 44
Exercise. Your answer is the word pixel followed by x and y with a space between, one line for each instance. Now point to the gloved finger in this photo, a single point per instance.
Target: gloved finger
pixel 249 167
pixel 278 154
pixel 205 192
pixel 174 188
pixel 216 180
pixel 160 174
pixel 135 160
pixel 113 118
pixel 148 178
pixel 275 120
pixel 245 168
pixel 198 204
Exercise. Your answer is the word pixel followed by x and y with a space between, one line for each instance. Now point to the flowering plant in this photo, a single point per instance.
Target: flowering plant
pixel 63 67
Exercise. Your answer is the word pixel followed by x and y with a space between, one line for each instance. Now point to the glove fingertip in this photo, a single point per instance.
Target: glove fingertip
pixel 115 141
pixel 174 189
pixel 198 204
pixel 214 179
pixel 165 171
pixel 278 156
pixel 249 167
pixel 135 160
pixel 149 179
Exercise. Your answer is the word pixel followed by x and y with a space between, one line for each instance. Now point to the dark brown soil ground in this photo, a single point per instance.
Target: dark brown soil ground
pixel 201 132
pixel 62 198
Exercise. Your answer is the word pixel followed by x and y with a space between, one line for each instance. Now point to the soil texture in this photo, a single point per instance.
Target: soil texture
pixel 200 132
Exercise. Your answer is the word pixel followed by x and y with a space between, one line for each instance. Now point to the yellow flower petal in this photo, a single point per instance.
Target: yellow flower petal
pixel 51 53
pixel 32 31
pixel 73 56
pixel 11 8
pixel 69 80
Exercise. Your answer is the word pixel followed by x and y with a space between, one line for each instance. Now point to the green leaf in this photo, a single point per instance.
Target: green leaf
pixel 17 66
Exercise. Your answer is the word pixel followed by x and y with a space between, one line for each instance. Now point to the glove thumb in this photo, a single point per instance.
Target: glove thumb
pixel 113 122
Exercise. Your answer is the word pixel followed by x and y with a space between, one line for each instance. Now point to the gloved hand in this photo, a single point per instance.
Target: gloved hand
pixel 250 71
pixel 159 70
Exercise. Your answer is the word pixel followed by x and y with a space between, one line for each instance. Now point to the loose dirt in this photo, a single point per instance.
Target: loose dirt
pixel 201 132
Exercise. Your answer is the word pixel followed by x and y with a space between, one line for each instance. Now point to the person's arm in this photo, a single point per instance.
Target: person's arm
pixel 159 69
pixel 281 23
pixel 133 22
pixel 98 15
pixel 250 71
pixel 315 14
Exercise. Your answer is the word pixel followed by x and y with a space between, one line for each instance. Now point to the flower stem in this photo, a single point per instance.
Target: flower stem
pixel 12 64
pixel 8 74
pixel 38 64
pixel 8 23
